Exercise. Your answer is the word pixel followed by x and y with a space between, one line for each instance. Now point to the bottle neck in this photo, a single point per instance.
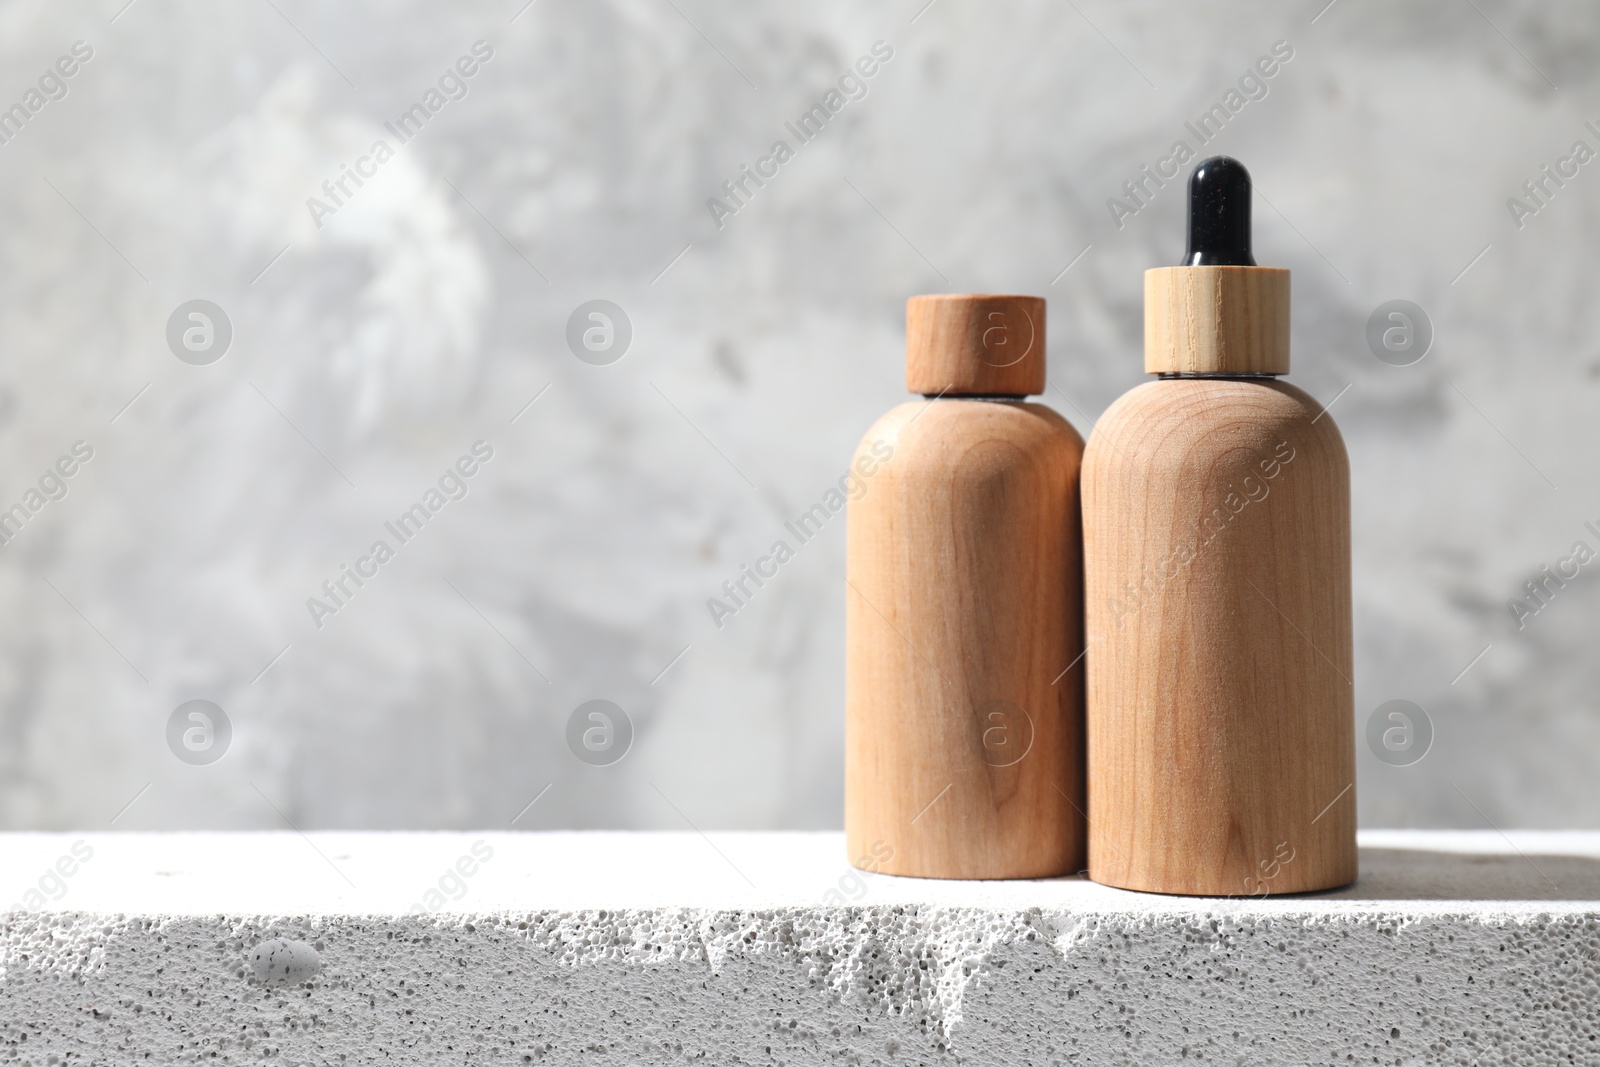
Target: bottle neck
pixel 1170 375
pixel 996 398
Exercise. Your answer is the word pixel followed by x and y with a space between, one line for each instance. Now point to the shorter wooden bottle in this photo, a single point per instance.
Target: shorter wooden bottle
pixel 1216 510
pixel 963 721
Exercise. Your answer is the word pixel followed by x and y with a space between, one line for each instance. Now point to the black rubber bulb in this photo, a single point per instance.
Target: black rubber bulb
pixel 1219 215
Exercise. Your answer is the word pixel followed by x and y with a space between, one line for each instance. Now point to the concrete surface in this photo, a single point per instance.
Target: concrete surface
pixel 335 948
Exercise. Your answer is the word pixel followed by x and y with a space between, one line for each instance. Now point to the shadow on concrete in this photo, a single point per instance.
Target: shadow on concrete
pixel 1421 874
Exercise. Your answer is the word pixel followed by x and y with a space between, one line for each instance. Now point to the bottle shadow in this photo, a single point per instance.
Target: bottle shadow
pixel 1424 874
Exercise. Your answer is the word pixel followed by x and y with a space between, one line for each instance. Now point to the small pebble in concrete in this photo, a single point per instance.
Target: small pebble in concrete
pixel 280 963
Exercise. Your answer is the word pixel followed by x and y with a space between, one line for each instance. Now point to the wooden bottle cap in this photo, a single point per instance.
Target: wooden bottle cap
pixel 1216 320
pixel 969 344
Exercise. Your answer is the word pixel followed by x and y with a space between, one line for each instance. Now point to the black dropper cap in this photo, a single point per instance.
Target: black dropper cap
pixel 1219 215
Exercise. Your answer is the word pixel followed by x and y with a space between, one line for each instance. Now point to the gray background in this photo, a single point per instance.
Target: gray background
pixel 428 312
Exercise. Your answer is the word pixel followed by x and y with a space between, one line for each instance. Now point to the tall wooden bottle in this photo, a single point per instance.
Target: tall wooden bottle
pixel 963 721
pixel 1216 509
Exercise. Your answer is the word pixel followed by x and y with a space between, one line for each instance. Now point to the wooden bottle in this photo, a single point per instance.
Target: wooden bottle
pixel 963 690
pixel 1216 510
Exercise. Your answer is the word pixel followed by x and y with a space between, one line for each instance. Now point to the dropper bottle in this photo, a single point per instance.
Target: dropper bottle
pixel 1216 512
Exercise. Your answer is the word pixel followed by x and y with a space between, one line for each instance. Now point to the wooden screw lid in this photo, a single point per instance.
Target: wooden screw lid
pixel 1216 320
pixel 971 344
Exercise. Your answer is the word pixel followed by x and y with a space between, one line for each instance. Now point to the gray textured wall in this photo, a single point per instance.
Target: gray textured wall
pixel 431 305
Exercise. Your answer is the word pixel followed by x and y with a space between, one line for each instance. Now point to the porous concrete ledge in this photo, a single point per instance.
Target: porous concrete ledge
pixel 336 948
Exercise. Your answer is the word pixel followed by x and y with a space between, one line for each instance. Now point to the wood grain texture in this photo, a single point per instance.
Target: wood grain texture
pixel 1216 320
pixel 963 728
pixel 966 344
pixel 1221 754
